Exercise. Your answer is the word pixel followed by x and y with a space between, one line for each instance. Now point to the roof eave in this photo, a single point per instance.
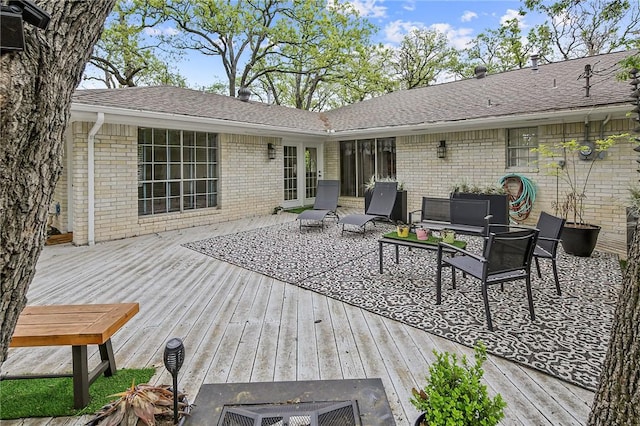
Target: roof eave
pixel 491 122
pixel 115 115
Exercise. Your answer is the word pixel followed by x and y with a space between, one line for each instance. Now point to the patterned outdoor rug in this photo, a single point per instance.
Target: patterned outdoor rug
pixel 567 340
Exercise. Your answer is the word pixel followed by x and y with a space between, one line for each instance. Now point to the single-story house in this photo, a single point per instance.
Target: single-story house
pixel 148 159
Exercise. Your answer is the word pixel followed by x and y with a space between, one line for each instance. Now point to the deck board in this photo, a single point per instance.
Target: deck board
pixel 241 326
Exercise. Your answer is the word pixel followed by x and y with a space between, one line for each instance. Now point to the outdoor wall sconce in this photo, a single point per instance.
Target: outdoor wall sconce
pixel 271 151
pixel 442 149
pixel 173 359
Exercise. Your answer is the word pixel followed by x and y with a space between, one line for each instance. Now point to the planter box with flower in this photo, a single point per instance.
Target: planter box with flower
pixel 572 162
pixel 497 197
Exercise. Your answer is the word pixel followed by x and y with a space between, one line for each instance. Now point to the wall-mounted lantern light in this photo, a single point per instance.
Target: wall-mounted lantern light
pixel 442 149
pixel 271 151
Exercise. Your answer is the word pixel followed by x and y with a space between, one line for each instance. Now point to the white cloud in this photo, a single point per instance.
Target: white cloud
pixel 161 31
pixel 457 37
pixel 513 14
pixel 369 8
pixel 396 30
pixel 410 5
pixel 468 15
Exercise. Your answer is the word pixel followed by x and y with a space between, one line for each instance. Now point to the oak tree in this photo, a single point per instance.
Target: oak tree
pixel 36 86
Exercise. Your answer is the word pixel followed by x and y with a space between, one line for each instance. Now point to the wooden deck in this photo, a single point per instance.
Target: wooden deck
pixel 240 326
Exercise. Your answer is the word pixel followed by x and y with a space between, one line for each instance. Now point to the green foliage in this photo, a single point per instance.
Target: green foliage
pixel 579 28
pixel 422 57
pixel 54 397
pixel 563 161
pixel 122 56
pixel 453 394
pixel 477 189
pixel 369 185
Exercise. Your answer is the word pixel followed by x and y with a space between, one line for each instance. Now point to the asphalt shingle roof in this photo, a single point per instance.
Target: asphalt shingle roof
pixel 553 87
pixel 188 102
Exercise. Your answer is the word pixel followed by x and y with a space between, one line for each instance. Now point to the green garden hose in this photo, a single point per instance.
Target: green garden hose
pixel 520 203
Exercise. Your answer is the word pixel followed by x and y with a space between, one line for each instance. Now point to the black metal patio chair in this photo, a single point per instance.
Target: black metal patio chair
pixel 506 257
pixel 325 205
pixel 381 207
pixel 550 228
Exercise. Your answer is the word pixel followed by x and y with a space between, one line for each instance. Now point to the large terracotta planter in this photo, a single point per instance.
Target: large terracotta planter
pixel 579 240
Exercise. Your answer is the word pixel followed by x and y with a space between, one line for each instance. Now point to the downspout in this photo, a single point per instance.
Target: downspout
pixel 90 179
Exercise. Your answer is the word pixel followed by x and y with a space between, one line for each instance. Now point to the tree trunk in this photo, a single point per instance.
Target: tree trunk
pixel 617 399
pixel 35 97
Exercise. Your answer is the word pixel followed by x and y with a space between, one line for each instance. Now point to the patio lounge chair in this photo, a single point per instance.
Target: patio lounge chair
pixel 547 247
pixel 506 257
pixel 381 207
pixel 325 205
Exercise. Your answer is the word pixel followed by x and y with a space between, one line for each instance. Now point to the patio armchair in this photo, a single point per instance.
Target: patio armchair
pixel 326 204
pixel 547 247
pixel 381 207
pixel 506 257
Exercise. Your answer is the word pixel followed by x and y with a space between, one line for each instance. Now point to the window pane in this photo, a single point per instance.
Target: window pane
pixel 160 154
pixel 159 137
pixel 159 189
pixel 174 171
pixel 159 172
pixel 174 204
pixel 366 163
pixel 159 205
pixel 144 207
pixel 386 157
pixel 201 186
pixel 188 171
pixel 145 136
pixel 519 144
pixel 174 154
pixel 188 139
pixel 201 155
pixel 348 168
pixel 174 137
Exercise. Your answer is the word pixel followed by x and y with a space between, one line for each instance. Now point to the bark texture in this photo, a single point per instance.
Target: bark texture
pixel 617 399
pixel 35 97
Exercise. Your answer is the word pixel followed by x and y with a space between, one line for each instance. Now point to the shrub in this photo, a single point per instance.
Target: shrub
pixel 454 396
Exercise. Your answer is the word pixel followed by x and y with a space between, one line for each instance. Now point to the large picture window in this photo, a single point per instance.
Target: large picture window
pixel 361 159
pixel 177 171
pixel 519 144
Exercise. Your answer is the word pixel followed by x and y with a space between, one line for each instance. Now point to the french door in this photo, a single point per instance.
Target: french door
pixel 303 167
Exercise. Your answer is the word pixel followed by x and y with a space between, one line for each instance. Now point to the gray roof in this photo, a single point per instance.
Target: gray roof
pixel 194 103
pixel 553 87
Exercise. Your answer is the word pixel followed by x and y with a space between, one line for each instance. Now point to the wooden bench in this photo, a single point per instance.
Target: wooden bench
pixel 76 326
pixel 460 215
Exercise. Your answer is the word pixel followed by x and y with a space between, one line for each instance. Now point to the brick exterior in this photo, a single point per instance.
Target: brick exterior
pixel 251 184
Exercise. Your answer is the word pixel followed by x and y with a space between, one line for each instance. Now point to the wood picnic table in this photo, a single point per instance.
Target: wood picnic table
pixel 76 326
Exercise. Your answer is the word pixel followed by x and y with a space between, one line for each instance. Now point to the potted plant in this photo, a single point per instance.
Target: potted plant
pixel 573 162
pixel 399 212
pixel 454 391
pixel 142 405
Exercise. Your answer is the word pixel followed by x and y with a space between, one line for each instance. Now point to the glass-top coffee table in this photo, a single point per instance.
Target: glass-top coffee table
pixel 412 242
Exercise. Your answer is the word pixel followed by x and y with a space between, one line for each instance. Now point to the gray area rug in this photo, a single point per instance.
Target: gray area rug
pixel 568 339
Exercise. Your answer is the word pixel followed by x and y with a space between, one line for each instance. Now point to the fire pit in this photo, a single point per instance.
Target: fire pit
pixel 355 402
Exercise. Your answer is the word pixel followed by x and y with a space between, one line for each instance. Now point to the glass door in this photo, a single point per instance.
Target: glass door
pixel 300 188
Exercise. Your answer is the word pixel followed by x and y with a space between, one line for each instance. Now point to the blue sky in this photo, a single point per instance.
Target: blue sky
pixel 459 20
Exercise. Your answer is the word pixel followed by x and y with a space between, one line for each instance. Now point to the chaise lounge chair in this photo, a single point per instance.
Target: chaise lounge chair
pixel 382 201
pixel 325 205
